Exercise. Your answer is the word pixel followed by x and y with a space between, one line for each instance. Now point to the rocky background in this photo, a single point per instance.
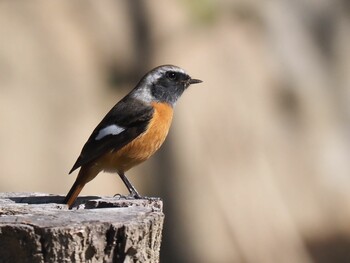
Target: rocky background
pixel 257 164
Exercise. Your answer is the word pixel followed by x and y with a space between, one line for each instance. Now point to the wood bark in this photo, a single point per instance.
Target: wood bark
pixel 37 228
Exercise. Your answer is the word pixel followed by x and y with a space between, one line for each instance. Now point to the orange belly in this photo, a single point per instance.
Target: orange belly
pixel 145 145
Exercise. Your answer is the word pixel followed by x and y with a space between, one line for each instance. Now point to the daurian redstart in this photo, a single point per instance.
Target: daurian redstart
pixel 133 130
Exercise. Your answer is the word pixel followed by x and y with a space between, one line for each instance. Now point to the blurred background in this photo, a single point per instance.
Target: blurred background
pixel 256 167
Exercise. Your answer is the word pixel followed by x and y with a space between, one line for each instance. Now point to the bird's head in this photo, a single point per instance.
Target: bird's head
pixel 164 84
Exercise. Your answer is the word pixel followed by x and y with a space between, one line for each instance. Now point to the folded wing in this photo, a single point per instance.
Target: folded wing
pixel 124 122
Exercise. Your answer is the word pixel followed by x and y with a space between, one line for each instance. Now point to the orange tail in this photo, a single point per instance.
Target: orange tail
pixel 73 193
pixel 85 175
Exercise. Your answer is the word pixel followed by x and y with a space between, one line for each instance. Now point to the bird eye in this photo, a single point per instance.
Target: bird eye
pixel 171 75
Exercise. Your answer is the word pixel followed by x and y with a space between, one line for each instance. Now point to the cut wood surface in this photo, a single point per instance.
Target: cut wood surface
pixel 36 227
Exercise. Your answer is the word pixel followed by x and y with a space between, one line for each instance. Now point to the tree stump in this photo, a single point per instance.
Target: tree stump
pixel 36 227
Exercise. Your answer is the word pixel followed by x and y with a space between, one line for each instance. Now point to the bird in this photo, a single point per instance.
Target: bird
pixel 133 130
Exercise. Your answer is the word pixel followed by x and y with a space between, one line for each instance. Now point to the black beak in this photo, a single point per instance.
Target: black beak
pixel 195 81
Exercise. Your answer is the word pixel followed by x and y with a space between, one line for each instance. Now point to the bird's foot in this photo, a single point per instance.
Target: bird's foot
pixel 132 195
pixel 135 195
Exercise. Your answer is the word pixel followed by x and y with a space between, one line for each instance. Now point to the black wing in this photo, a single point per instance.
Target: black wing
pixel 130 114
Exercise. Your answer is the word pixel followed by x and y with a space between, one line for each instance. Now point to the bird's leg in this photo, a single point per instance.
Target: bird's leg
pixel 132 190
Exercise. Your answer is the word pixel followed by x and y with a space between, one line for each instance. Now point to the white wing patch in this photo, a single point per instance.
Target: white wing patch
pixel 109 130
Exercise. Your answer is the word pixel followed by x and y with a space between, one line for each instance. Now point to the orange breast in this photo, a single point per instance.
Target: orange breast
pixel 145 145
